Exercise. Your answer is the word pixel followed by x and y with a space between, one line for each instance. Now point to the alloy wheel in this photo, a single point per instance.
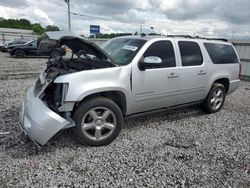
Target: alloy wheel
pixel 217 99
pixel 98 123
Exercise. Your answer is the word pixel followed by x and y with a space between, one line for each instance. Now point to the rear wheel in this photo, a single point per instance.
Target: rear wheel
pixel 19 53
pixel 98 121
pixel 215 99
pixel 55 54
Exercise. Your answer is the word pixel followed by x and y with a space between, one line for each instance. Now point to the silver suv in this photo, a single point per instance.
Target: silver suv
pixel 94 88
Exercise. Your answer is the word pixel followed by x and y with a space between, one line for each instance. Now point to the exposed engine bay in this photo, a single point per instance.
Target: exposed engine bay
pixel 52 94
pixel 61 66
pixel 82 55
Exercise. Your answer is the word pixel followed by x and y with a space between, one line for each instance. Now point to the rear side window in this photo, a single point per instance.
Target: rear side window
pixel 221 53
pixel 164 50
pixel 190 53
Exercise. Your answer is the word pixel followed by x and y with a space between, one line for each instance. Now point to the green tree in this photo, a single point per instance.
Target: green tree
pixel 111 35
pixel 38 29
pixel 136 33
pixel 15 23
pixel 52 28
pixel 154 34
pixel 25 24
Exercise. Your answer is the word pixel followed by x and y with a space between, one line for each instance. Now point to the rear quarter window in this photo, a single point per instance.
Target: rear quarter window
pixel 221 53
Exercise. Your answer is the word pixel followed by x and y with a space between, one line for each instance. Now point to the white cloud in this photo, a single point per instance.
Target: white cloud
pixel 42 16
pixel 203 17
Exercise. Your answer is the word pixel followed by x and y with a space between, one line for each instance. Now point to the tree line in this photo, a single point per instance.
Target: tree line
pixel 38 29
pixel 26 24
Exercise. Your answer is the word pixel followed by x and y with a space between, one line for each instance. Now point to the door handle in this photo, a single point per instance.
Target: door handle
pixel 172 75
pixel 201 72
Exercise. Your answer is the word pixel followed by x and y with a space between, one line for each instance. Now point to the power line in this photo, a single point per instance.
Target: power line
pixel 85 15
pixel 53 13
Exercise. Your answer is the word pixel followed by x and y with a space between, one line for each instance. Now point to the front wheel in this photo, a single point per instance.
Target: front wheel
pixel 98 121
pixel 215 99
pixel 19 53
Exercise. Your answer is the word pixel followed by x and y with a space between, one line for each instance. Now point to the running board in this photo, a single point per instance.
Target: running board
pixel 165 109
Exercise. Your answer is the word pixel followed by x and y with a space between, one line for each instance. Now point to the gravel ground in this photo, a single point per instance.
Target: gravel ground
pixel 179 148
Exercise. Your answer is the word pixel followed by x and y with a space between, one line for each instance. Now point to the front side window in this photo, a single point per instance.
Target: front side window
pixel 123 50
pixel 190 53
pixel 33 43
pixel 221 53
pixel 164 50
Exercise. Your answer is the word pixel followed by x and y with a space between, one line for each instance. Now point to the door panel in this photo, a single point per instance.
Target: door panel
pixel 32 48
pixel 193 84
pixel 193 72
pixel 156 87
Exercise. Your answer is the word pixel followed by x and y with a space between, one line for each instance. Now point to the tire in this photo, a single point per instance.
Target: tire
pixel 215 98
pixel 24 138
pixel 55 54
pixel 19 53
pixel 103 121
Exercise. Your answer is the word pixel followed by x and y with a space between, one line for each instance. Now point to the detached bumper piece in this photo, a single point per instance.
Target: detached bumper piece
pixel 38 121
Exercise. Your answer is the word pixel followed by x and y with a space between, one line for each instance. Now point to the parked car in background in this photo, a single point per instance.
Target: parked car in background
pixel 30 49
pixel 95 88
pixel 1 47
pixel 13 42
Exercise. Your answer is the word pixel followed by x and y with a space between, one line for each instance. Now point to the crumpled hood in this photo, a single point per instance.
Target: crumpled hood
pixel 51 40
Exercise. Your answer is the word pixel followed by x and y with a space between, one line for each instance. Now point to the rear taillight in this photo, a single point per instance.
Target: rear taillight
pixel 239 70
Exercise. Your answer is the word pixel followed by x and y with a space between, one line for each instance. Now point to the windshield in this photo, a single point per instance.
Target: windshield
pixel 123 50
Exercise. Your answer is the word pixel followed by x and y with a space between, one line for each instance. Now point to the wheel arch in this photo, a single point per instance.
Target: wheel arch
pixel 21 50
pixel 206 105
pixel 117 96
pixel 224 80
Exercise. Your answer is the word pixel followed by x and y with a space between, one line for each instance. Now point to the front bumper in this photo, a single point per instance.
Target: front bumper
pixel 3 49
pixel 38 121
pixel 10 51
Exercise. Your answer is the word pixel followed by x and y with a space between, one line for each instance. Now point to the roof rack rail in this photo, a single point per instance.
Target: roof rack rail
pixel 185 36
pixel 225 40
pixel 198 37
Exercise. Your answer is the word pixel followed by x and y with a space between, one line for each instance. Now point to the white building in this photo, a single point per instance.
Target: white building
pixel 243 49
pixel 8 34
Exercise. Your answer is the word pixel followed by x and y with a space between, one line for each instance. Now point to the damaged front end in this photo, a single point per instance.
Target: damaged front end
pixel 44 110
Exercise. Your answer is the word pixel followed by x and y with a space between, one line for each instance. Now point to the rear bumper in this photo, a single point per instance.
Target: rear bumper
pixel 38 121
pixel 233 85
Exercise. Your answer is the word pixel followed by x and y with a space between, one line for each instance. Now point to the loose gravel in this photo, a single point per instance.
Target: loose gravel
pixel 178 148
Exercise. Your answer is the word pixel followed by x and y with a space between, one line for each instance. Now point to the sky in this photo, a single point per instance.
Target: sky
pixel 208 18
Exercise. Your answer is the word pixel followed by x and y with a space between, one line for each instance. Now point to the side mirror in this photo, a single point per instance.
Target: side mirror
pixel 150 62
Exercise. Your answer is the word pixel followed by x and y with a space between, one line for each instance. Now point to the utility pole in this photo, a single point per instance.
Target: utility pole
pixel 68 3
pixel 152 30
pixel 233 35
pixel 141 30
